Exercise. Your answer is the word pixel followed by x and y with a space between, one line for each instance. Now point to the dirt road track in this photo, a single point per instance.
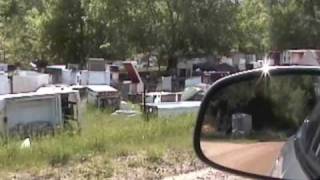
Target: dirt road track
pixel 256 158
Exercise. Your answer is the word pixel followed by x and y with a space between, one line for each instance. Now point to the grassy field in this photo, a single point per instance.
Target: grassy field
pixel 102 134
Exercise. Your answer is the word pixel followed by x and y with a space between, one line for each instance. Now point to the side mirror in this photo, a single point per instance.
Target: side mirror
pixel 263 124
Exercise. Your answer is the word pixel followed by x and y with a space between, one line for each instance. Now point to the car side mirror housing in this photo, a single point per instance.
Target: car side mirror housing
pixel 262 123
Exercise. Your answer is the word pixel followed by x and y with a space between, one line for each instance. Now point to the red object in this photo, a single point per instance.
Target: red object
pixel 132 73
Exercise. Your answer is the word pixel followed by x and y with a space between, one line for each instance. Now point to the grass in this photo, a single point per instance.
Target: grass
pixel 102 134
pixel 253 137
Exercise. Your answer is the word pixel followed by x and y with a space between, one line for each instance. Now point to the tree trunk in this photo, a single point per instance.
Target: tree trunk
pixel 172 63
pixel 159 65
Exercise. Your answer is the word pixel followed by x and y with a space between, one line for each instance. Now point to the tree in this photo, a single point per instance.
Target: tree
pixel 70 31
pixel 254 26
pixel 197 27
pixel 63 31
pixel 18 29
pixel 295 24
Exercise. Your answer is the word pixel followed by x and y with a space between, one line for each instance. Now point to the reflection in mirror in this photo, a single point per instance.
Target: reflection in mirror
pixel 257 125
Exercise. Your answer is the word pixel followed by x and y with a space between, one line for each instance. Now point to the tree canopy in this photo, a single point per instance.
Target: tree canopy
pixel 70 31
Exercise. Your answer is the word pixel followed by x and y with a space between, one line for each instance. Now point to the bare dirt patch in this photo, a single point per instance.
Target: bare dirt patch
pixel 139 166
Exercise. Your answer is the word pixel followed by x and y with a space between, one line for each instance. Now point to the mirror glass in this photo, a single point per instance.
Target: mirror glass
pixel 260 125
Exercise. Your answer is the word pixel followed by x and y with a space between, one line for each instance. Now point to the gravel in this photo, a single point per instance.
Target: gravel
pixel 205 174
pixel 170 166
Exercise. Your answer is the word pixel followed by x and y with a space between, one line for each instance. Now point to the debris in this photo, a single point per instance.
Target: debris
pixel 26 144
pixel 170 109
pixel 126 110
pixel 241 123
pixel 157 97
pixel 209 77
pixel 157 100
pixel 70 100
pixel 129 113
pixel 104 96
pixel 33 65
pixel 124 106
pixel 136 86
pixel 189 93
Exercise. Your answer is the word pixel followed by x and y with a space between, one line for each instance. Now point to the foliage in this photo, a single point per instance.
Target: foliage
pixel 295 24
pixel 278 101
pixel 19 29
pixel 63 30
pixel 254 24
pixel 71 31
pixel 293 107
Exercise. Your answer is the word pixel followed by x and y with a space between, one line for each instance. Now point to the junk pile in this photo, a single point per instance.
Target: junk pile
pixel 36 103
pixel 126 109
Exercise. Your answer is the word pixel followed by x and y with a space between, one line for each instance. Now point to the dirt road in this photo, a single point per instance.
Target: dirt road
pixel 257 158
